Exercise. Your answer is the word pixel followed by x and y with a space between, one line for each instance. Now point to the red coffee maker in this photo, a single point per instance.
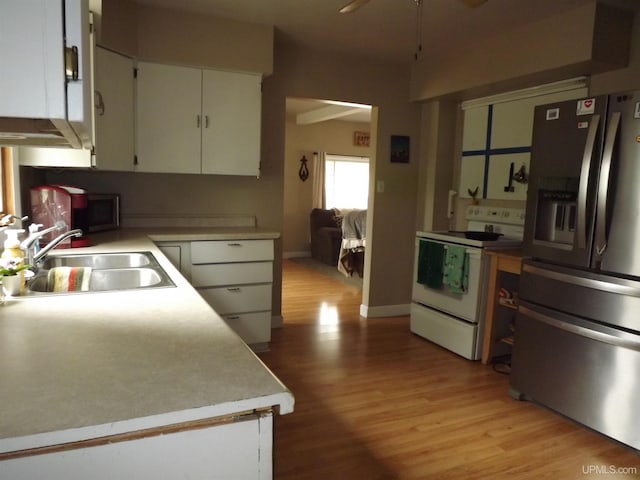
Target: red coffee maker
pixel 55 203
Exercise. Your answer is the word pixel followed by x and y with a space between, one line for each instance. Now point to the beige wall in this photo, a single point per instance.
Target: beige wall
pixel 623 79
pixel 440 132
pixel 171 36
pixel 590 39
pixel 191 39
pixel 332 137
pixel 305 73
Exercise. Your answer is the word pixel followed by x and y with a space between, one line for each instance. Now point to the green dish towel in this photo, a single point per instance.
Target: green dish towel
pixel 430 263
pixel 456 269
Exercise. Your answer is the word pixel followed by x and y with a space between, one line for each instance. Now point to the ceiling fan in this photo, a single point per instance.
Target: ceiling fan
pixel 354 5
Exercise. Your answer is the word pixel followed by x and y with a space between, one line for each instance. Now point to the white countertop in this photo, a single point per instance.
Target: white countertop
pixel 88 365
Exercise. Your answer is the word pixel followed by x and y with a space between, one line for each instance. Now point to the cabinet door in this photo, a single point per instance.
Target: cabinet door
pixel 32 79
pixel 179 254
pixel 242 448
pixel 238 298
pixel 168 118
pixel 227 251
pixel 114 111
pixel 254 328
pixel 231 105
pixel 220 274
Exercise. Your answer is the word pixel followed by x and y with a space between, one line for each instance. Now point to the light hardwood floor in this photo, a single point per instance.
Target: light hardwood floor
pixel 374 401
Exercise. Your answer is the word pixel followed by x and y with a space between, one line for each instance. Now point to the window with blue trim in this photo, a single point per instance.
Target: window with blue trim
pixel 496 146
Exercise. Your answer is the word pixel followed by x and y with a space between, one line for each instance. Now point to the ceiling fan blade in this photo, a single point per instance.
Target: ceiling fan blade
pixel 474 3
pixel 353 6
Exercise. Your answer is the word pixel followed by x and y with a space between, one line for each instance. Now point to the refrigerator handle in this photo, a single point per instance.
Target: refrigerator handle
pixel 585 170
pixel 629 289
pixel 580 330
pixel 603 185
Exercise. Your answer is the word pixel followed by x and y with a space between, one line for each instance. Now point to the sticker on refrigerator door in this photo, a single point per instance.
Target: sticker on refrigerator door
pixel 553 114
pixel 586 106
pixel 636 113
pixel 583 124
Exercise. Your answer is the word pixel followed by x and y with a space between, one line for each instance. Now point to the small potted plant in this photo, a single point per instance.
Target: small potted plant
pixel 10 273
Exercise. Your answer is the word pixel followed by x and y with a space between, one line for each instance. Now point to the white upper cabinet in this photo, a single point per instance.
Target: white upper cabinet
pixel 168 118
pixel 231 103
pixel 45 85
pixel 114 111
pixel 191 120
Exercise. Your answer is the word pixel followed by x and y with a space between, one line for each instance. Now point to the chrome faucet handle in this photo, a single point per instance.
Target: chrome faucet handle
pixel 39 256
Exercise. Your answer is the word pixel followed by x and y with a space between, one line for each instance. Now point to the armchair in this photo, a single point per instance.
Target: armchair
pixel 326 236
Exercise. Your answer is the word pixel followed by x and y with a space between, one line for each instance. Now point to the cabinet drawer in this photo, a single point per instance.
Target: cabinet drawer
pixel 245 298
pixel 223 251
pixel 231 274
pixel 252 327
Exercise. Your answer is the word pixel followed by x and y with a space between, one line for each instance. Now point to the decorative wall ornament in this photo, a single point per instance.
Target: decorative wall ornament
pixel 473 194
pixel 303 173
pixel 521 175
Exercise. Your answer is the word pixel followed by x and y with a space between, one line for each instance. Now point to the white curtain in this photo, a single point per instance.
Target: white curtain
pixel 317 178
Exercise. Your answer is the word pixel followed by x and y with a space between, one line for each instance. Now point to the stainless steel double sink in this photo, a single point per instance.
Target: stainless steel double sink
pixel 109 272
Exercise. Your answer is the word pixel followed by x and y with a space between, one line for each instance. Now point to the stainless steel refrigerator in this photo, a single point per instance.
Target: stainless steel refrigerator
pixel 577 339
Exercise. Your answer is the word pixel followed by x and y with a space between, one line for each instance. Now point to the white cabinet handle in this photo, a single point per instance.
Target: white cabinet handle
pixel 234 289
pixel 234 244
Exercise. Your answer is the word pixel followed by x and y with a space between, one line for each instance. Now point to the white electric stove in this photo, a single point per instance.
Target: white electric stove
pixel 454 320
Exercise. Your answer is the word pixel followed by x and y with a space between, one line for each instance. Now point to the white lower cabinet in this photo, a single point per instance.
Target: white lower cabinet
pixel 239 298
pixel 179 254
pixel 240 448
pixel 235 277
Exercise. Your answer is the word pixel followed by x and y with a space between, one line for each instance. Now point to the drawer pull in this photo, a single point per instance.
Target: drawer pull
pixel 234 244
pixel 234 289
pixel 232 317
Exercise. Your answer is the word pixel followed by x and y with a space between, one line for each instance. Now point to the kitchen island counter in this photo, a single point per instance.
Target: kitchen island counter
pixel 82 366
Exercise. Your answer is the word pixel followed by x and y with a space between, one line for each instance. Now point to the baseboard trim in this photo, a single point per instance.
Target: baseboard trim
pixel 277 321
pixel 385 310
pixel 305 254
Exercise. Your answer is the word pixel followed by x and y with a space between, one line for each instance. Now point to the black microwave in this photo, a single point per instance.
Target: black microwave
pixel 103 212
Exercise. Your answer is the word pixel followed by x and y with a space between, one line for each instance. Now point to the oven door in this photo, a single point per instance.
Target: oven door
pixel 467 306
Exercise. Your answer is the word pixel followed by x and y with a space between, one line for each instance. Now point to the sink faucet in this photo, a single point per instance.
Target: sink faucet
pixel 28 245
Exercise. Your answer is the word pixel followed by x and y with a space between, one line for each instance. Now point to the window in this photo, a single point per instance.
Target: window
pixel 6 178
pixel 346 181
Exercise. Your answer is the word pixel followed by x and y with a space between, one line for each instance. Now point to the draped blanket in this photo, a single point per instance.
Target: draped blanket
pixel 354 226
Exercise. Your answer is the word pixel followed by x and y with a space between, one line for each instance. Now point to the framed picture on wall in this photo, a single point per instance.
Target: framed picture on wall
pixel 399 149
pixel 361 139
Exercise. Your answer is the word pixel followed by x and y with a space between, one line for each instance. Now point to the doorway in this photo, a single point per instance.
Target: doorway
pixel 313 126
